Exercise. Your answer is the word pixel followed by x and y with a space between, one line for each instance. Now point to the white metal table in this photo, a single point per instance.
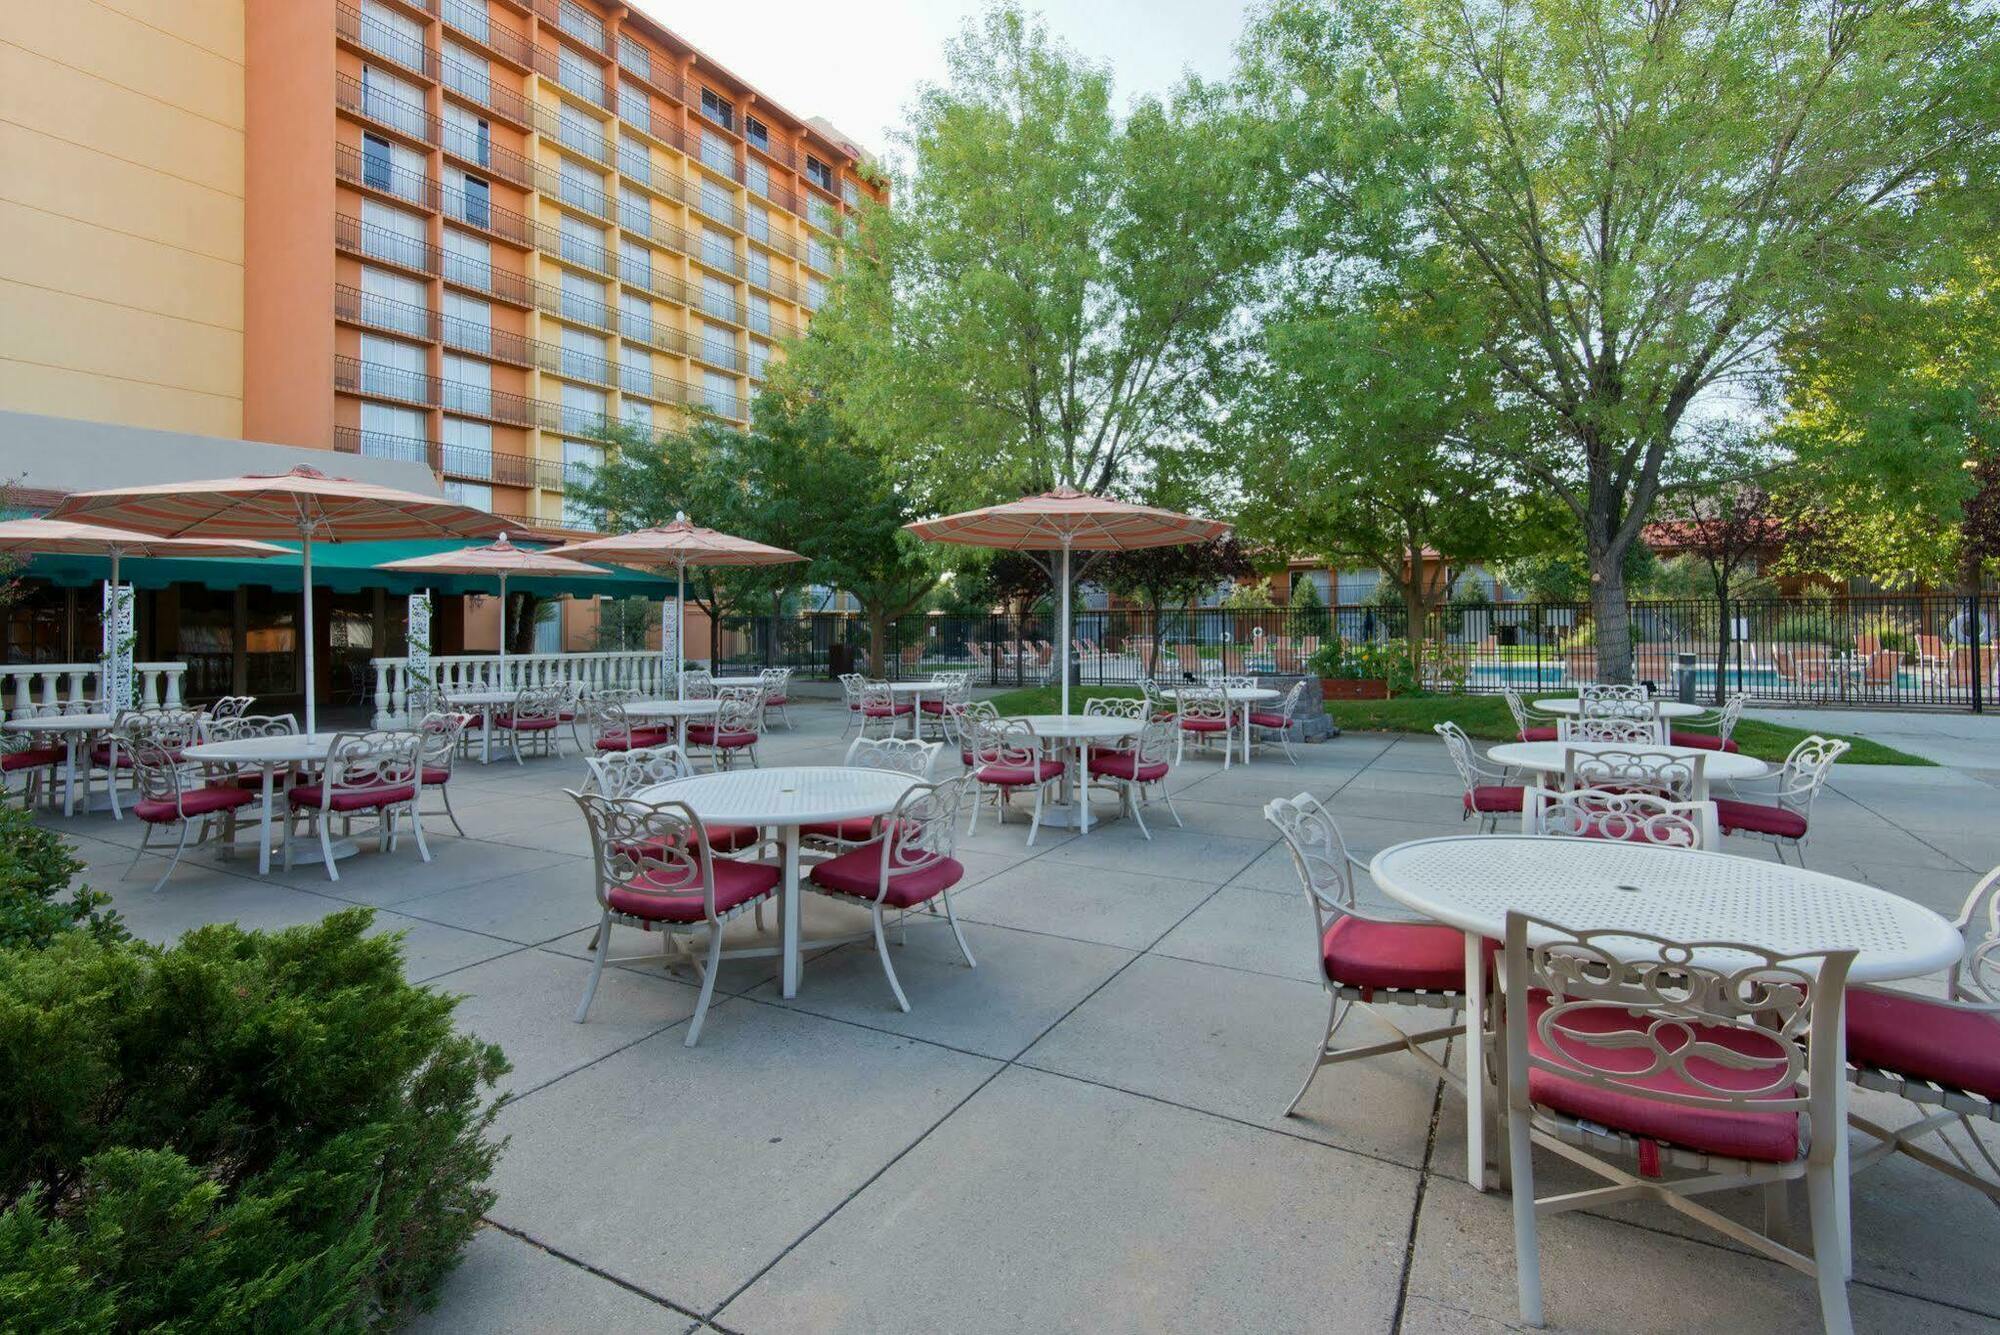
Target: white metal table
pixel 783 799
pixel 1550 759
pixel 914 692
pixel 271 754
pixel 75 730
pixel 677 711
pixel 1244 696
pixel 1071 736
pixel 736 681
pixel 1668 709
pixel 1472 882
pixel 484 702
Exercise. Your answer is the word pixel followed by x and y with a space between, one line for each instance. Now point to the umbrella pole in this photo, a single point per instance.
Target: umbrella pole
pixel 110 662
pixel 502 683
pixel 1062 625
pixel 680 629
pixel 306 554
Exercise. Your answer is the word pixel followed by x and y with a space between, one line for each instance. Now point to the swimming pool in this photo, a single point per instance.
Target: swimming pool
pixel 1759 678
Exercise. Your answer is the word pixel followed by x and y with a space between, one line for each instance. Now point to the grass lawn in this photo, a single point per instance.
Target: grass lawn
pixel 1482 716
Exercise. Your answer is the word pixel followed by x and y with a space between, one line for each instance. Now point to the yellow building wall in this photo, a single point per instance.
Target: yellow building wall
pixel 121 211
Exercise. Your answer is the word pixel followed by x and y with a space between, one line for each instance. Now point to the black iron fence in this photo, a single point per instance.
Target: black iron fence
pixel 1885 651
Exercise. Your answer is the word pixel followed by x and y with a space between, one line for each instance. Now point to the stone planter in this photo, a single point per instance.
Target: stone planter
pixel 1353 688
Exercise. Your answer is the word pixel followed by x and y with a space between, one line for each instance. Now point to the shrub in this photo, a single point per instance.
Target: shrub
pixel 244 1131
pixel 1367 660
pixel 36 866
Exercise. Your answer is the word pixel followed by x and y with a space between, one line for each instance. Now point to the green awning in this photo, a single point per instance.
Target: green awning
pixel 343 567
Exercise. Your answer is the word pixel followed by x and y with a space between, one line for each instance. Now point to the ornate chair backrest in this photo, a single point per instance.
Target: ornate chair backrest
pixel 966 718
pixel 606 719
pixel 648 850
pixel 775 680
pixel 1601 728
pixel 439 747
pixel 1319 854
pixel 1592 697
pixel 1117 706
pixel 231 706
pixel 171 729
pixel 615 694
pixel 954 688
pixel 1008 742
pixel 922 828
pixel 1637 818
pixel 739 709
pixel 1464 758
pixel 1665 774
pixel 852 685
pixel 1236 682
pixel 698 684
pixel 1730 715
pixel 1289 706
pixel 619 774
pixel 1977 977
pixel 1518 707
pixel 535 704
pixel 251 725
pixel 370 761
pixel 1155 742
pixel 1615 1009
pixel 1806 770
pixel 877 695
pixel 157 774
pixel 1203 702
pixel 901 755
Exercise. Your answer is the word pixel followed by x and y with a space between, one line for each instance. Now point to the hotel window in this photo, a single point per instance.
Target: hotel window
pixel 635 211
pixel 472 202
pixel 581 76
pixel 467 136
pixel 395 301
pixel 757 221
pixel 478 495
pixel 635 262
pixel 582 408
pixel 820 214
pixel 635 319
pixel 386 98
pixel 759 268
pixel 581 188
pixel 467 448
pixel 850 194
pixel 393 235
pixel 819 254
pixel 392 433
pixel 467 72
pixel 718 392
pixel 583 354
pixel 819 173
pixel 635 57
pixel 718 109
pixel 580 461
pixel 583 299
pixel 755 131
pixel 637 412
pixel 718 297
pixel 468 260
pixel 580 133
pixel 717 202
pixel 635 374
pixel 374 162
pixel 760 357
pixel 468 385
pixel 635 104
pixel 634 158
pixel 716 152
pixel 385 31
pixel 392 368
pixel 758 177
pixel 583 243
pixel 718 345
pixel 577 21
pixel 468 322
pixel 760 314
pixel 815 292
pixel 1355 586
pixel 469 18
pixel 717 249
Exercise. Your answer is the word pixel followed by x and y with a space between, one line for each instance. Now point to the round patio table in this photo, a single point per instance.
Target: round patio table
pixel 271 754
pixel 736 681
pixel 482 702
pixel 678 711
pixel 783 799
pixel 1246 696
pixel 1473 882
pixel 1551 759
pixel 1667 708
pixel 75 730
pixel 1071 736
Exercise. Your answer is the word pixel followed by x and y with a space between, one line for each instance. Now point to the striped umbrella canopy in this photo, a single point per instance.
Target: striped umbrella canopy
pixel 499 558
pixel 675 547
pixel 1067 520
pixel 304 503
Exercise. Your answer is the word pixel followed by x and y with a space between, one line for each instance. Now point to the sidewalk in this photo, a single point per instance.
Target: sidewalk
pixel 1960 740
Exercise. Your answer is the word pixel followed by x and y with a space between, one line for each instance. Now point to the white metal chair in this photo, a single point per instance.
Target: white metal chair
pixel 1631 731
pixel 907 863
pixel 1365 960
pixel 698 683
pixel 935 711
pixel 898 755
pixel 879 705
pixel 1606 695
pixel 1665 774
pixel 1709 1058
pixel 1718 727
pixel 1942 1054
pixel 34 760
pixel 1007 757
pixel 231 706
pixel 852 684
pixel 436 757
pixel 1786 821
pixel 1276 723
pixel 533 718
pixel 1530 725
pixel 777 687
pixel 1489 794
pixel 366 773
pixel 1205 714
pixel 1136 769
pixel 655 870
pixel 966 721
pixel 1636 818
pixel 735 729
pixel 1133 707
pixel 168 791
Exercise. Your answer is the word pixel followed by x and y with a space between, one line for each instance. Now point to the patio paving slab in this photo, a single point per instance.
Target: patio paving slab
pixel 1025 982
pixel 686 1171
pixel 528 907
pixel 1244 927
pixel 509 1287
pixel 431 949
pixel 1042 1205
pixel 386 879
pixel 1237 1044
pixel 1183 854
pixel 1113 908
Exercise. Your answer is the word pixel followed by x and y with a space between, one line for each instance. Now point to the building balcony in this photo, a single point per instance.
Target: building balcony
pixel 479 152
pixel 657 75
pixel 657 124
pixel 575 307
pixel 654 282
pixel 478 88
pixel 642 221
pixel 381 109
pixel 459 462
pixel 659 337
pixel 373 37
pixel 379 244
pixel 472 23
pixel 589 143
pixel 365 310
pixel 573 20
pixel 394 384
pixel 722 356
pixel 370 171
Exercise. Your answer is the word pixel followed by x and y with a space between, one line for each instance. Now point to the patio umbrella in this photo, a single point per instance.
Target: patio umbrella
pixel 304 503
pixel 1067 520
pixel 675 547
pixel 500 558
pixel 59 537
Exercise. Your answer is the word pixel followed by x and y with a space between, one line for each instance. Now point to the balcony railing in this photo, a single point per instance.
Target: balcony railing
pixel 379 243
pixel 472 21
pixel 778 242
pixel 358 167
pixel 657 75
pixel 351 375
pixel 657 124
pixel 660 337
pixel 722 356
pixel 655 282
pixel 573 306
pixel 574 20
pixel 782 288
pixel 478 87
pixel 378 38
pixel 590 84
pixel 405 118
pixel 462 462
pixel 575 364
pixel 479 150
pixel 592 144
pixel 354 306
pixel 639 219
pixel 475 210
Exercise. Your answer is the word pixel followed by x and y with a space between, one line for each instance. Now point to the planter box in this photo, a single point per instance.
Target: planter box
pixel 1352 688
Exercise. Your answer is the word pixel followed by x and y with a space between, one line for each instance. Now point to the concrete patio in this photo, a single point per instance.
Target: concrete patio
pixel 1082 1134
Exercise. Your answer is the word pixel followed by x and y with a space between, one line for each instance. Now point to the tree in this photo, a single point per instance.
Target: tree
pixel 1645 198
pixel 1164 577
pixel 1724 528
pixel 1039 304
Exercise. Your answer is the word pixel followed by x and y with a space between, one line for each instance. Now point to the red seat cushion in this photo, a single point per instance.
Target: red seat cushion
pixel 636 740
pixel 1920 1038
pixel 776 700
pixel 1265 719
pixel 1020 776
pixel 859 874
pixel 704 734
pixel 933 706
pixel 847 831
pixel 885 711
pixel 435 775
pixel 1125 765
pixel 33 758
pixel 513 724
pixel 352 799
pixel 1705 741
pixel 1538 735
pixel 1205 724
pixel 1495 798
pixel 1758 818
pixel 1405 955
pixel 721 839
pixel 736 884
pixel 195 802
pixel 1766 1137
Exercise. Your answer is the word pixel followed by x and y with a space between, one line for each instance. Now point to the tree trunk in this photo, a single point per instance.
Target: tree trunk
pixel 1416 624
pixel 1608 609
pixel 1722 638
pixel 878 642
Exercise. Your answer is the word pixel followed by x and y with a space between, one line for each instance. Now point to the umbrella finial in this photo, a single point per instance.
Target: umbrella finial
pixel 680 516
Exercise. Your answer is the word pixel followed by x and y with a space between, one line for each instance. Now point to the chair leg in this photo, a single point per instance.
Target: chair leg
pixel 1133 799
pixel 1829 1252
pixel 417 828
pixel 1333 1018
pixel 326 846
pixel 600 945
pixel 445 792
pixel 951 916
pixel 1035 817
pixel 1527 1254
pixel 973 825
pixel 708 973
pixel 882 949
pixel 145 838
pixel 174 860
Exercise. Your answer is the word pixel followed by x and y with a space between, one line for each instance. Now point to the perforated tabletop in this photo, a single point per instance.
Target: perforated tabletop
pixel 794 795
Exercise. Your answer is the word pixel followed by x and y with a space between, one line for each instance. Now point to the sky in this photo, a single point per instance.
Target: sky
pixel 858 62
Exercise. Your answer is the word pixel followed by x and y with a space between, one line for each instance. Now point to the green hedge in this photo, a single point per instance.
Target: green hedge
pixel 244 1131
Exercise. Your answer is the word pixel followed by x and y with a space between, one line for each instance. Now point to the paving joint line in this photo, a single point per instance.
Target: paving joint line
pixel 1417 1204
pixel 523 1235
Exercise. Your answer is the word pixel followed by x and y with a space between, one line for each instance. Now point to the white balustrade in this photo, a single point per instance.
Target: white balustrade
pixel 635 669
pixel 30 690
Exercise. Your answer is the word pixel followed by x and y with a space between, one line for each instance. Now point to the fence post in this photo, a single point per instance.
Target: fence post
pixel 1973 633
pixel 1722 629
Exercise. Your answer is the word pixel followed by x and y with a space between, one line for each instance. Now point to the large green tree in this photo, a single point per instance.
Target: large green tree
pixel 1645 196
